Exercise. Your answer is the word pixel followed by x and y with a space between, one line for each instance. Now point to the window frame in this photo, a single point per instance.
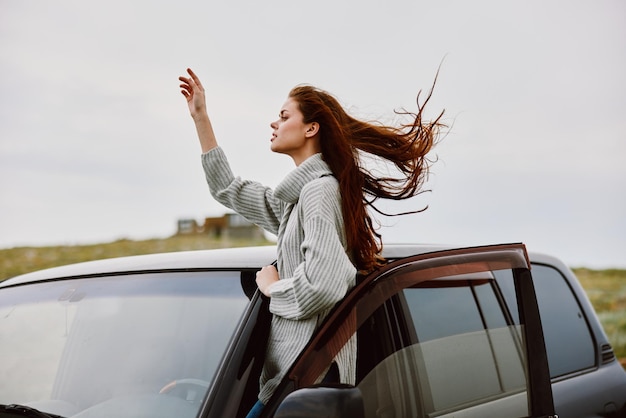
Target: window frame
pixel 234 388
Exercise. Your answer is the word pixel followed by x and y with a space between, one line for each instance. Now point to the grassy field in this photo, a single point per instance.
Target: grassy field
pixel 606 288
pixel 14 261
pixel 607 291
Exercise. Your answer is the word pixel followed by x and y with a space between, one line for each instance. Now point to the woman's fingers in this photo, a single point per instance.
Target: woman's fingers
pixel 194 77
pixel 187 87
pixel 190 85
pixel 265 277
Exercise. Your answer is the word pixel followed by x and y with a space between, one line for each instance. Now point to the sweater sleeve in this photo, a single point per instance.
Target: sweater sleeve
pixel 326 274
pixel 251 200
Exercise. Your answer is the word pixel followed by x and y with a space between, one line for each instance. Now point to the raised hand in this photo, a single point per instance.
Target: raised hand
pixel 193 91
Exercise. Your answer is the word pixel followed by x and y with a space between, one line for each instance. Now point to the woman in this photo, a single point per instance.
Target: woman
pixel 318 212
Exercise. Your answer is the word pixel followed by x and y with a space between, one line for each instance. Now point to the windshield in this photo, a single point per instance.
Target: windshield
pixel 145 344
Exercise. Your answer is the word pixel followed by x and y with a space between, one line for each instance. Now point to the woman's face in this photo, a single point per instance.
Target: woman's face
pixel 291 135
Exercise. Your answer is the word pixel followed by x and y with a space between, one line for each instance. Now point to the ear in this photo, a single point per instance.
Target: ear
pixel 312 129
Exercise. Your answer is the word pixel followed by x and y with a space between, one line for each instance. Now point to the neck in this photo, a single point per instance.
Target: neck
pixel 304 154
pixel 299 159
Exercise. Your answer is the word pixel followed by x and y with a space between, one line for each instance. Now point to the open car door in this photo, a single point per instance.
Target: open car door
pixel 436 338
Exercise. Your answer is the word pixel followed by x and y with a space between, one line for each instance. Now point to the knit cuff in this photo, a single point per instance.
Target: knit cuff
pixel 216 169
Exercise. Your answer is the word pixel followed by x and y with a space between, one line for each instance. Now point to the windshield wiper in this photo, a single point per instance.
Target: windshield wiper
pixel 15 410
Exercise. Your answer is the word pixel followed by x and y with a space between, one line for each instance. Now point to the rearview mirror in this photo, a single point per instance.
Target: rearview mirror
pixel 323 401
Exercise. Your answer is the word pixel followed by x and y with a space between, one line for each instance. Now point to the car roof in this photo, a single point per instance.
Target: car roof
pixel 225 259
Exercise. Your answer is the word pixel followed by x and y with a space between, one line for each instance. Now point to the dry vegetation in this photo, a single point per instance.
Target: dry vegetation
pixel 15 261
pixel 606 288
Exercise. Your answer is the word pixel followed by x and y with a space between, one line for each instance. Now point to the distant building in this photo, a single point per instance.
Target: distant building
pixel 187 226
pixel 231 225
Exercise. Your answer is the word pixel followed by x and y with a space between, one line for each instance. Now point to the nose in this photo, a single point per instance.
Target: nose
pixel 274 125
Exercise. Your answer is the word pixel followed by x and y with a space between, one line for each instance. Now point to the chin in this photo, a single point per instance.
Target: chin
pixel 275 148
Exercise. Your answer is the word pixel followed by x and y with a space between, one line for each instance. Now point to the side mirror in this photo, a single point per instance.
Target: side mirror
pixel 323 401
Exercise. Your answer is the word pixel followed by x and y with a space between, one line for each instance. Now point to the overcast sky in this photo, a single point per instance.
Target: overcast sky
pixel 96 143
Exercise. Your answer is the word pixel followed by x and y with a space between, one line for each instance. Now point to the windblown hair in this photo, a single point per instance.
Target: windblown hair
pixel 345 140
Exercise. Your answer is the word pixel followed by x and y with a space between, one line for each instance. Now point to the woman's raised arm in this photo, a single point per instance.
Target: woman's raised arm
pixel 193 91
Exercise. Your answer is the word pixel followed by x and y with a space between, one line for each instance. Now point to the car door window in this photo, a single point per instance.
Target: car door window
pixel 465 354
pixel 568 340
pixel 439 312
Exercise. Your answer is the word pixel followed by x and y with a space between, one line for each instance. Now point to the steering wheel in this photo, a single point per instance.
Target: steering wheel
pixel 191 390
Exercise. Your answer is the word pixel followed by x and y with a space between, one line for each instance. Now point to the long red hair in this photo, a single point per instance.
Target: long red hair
pixel 343 139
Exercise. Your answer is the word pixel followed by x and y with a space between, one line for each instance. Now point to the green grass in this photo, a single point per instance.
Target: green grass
pixel 606 288
pixel 607 291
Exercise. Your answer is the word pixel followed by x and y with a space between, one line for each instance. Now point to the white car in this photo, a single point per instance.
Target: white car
pixel 468 332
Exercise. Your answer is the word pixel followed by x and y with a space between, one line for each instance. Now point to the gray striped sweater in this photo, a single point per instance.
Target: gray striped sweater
pixel 304 212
